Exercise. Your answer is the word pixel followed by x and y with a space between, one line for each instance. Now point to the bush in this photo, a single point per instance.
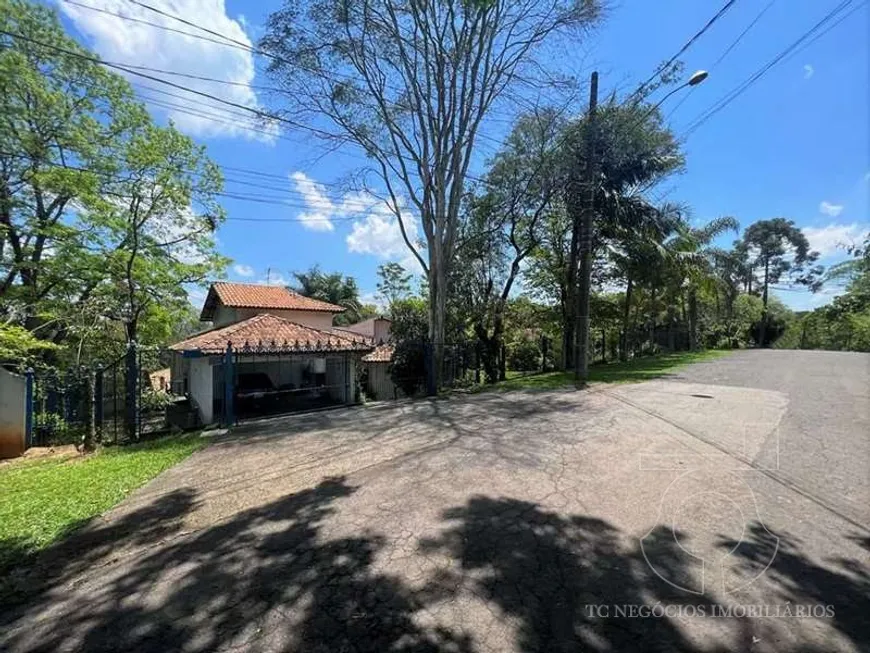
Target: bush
pixel 155 400
pixel 524 356
pixel 408 367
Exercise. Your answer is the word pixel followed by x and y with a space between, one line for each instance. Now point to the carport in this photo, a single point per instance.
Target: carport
pixel 266 365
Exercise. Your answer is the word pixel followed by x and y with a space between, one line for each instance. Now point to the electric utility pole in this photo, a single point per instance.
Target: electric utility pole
pixel 584 281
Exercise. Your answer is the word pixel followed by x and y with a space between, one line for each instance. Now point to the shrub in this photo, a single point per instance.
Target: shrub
pixel 524 356
pixel 408 367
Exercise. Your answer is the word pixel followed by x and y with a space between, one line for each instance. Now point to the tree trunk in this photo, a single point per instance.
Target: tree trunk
pixel 693 318
pixel 626 316
pixel 567 343
pixel 437 312
pixel 763 329
pixel 652 320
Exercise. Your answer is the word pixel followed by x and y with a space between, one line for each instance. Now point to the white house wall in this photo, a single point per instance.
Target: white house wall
pixel 12 414
pixel 201 387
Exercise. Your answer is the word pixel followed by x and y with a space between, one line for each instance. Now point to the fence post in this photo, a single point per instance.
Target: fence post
pixel 89 436
pixel 429 366
pixel 229 387
pixel 28 409
pixel 131 375
pixel 98 402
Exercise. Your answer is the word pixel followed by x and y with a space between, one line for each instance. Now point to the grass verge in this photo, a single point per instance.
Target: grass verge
pixel 42 501
pixel 633 371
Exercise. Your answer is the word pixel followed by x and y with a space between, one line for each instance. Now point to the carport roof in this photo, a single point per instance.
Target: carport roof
pixel 265 333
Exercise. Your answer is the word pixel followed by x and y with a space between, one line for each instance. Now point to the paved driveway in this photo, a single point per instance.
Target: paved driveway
pixel 724 509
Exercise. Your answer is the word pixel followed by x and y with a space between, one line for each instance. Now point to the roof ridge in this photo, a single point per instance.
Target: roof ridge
pixel 246 283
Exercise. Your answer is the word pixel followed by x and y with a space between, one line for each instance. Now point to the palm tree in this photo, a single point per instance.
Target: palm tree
pixel 334 288
pixel 634 235
pixel 694 262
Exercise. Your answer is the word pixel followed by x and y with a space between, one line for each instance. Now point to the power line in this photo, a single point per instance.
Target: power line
pixel 226 41
pixel 97 60
pixel 752 79
pixel 724 54
pixel 261 199
pixel 683 49
pixel 740 36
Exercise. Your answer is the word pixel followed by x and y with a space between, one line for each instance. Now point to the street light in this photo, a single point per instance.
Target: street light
pixel 696 78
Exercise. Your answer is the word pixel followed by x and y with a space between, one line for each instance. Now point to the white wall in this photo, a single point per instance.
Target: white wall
pixel 374 327
pixel 223 315
pixel 382 330
pixel 13 390
pixel 202 387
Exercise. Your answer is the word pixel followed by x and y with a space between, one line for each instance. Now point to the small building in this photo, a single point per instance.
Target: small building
pixel 269 349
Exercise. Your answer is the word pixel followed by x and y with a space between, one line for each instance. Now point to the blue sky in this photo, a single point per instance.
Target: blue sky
pixel 795 144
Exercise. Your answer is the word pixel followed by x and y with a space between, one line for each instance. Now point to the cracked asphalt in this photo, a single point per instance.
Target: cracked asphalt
pixel 722 509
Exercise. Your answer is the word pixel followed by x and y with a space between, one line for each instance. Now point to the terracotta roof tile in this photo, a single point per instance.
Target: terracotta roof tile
pixel 381 354
pixel 249 295
pixel 270 333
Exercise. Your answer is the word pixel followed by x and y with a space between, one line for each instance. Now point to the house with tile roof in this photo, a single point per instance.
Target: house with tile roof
pixel 269 350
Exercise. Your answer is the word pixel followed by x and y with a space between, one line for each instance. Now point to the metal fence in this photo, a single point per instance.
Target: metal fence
pixel 58 407
pixel 463 364
pixel 265 378
pixel 116 401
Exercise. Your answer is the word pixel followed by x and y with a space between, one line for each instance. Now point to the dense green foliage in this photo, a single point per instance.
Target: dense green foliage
pixel 335 288
pixel 104 216
pixel 844 324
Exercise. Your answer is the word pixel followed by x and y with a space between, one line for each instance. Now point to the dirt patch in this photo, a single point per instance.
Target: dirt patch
pixel 60 452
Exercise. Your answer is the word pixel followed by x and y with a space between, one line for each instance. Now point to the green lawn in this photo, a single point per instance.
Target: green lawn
pixel 638 369
pixel 41 501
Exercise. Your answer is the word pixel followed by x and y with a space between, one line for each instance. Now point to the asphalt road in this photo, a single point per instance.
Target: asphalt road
pixel 823 440
pixel 721 509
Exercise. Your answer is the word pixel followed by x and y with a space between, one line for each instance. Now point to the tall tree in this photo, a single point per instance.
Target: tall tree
pixel 694 260
pixel 410 83
pixel 634 151
pixel 61 115
pixel 394 284
pixel 155 225
pixel 504 225
pixel 777 249
pixel 103 216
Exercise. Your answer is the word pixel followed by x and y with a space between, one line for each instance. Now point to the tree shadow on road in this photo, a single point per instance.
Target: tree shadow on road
pixel 266 574
pixel 562 576
pixel 841 583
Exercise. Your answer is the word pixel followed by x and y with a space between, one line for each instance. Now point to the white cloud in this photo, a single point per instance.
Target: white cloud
pixel 378 233
pixel 243 270
pixel 274 279
pixel 834 238
pixel 808 71
pixel 128 42
pixel 321 208
pixel 830 209
pixel 375 299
